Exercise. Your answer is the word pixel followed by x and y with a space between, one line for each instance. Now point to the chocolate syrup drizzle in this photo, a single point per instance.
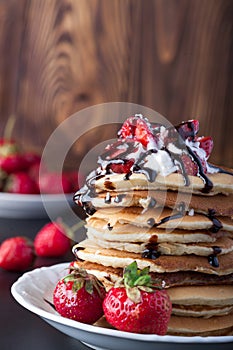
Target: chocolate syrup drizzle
pixel 217 225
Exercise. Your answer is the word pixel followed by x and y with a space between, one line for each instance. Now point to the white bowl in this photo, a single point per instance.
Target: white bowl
pixel 33 205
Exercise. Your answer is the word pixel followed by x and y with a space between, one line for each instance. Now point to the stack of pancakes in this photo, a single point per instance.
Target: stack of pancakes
pixel 184 234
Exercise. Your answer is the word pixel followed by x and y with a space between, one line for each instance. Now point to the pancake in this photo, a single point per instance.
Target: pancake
pixel 203 311
pixel 191 326
pixel 98 228
pixel 162 218
pixel 222 183
pixel 221 265
pixel 207 301
pixel 110 275
pixel 214 296
pixel 221 204
pixel 222 245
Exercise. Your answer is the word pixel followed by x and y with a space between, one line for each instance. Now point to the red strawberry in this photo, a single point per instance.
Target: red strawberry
pixel 76 179
pixel 121 167
pixel 16 254
pixel 79 296
pixel 31 158
pixel 188 129
pixel 137 128
pixel 20 182
pixel 12 163
pixel 138 306
pixel 53 183
pixel 207 144
pixel 190 166
pixel 52 241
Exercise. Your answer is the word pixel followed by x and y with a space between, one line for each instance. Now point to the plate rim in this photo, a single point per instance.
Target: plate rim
pixel 21 298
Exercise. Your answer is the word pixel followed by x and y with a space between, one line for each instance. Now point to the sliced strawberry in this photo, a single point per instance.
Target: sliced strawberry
pixel 121 167
pixel 207 144
pixel 190 166
pixel 188 129
pixel 137 128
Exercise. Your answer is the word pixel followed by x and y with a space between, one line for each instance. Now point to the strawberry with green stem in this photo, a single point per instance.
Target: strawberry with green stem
pixel 138 305
pixel 79 296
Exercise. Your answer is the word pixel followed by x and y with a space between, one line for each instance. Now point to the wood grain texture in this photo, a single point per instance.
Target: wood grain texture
pixel 59 56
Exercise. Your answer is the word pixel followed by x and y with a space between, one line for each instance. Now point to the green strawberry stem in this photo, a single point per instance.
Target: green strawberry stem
pixel 136 280
pixel 81 278
pixel 9 127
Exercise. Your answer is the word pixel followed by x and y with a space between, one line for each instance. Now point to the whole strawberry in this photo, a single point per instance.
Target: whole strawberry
pixel 16 254
pixel 52 240
pixel 54 183
pixel 138 306
pixel 21 182
pixel 79 296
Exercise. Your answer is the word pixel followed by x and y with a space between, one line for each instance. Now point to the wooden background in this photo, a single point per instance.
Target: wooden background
pixel 59 56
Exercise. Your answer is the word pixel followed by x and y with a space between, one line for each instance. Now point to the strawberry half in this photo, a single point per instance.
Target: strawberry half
pixel 188 129
pixel 137 128
pixel 207 144
pixel 122 167
pixel 138 306
pixel 79 296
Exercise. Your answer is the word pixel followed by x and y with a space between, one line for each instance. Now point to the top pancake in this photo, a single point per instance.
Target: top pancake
pixel 222 183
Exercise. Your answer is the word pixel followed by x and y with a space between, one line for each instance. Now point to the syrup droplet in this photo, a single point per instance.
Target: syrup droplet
pixel 217 225
pixel 152 203
pixel 151 222
pixel 107 199
pixel 213 260
pixel 151 252
pixel 119 198
pixel 217 250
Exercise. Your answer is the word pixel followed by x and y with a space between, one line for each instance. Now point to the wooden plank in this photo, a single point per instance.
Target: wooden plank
pixel 175 56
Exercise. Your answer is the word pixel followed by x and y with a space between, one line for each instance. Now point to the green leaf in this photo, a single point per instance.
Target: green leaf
pixel 142 280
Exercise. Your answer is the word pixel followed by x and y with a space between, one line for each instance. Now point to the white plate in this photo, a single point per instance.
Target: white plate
pixel 35 286
pixel 33 205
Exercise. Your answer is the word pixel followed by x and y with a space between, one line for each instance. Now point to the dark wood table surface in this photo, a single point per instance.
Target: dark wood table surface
pixel 19 328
